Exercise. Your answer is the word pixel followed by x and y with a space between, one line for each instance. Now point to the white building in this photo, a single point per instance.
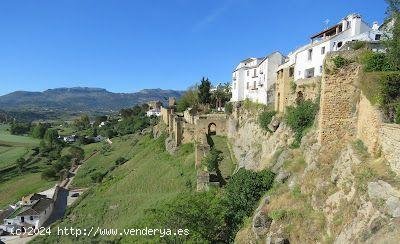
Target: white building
pixel 153 112
pixel 309 59
pixel 31 214
pixel 254 79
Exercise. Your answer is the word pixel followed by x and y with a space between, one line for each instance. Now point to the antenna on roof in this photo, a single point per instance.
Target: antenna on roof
pixel 326 22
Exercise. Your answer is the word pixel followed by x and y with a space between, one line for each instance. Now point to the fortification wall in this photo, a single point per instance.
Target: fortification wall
pixel 337 116
pixel 390 142
pixel 369 122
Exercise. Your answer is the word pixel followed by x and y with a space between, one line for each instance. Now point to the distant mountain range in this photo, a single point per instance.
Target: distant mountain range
pixel 80 99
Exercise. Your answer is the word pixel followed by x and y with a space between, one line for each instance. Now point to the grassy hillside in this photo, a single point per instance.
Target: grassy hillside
pixel 228 164
pixel 15 184
pixel 151 175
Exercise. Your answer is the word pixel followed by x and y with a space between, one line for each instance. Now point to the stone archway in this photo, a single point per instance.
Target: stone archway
pixel 212 129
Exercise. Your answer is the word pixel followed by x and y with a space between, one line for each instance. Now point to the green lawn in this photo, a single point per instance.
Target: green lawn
pixel 11 154
pixel 228 164
pixel 121 147
pixel 12 190
pixel 13 184
pixel 150 176
pixel 14 140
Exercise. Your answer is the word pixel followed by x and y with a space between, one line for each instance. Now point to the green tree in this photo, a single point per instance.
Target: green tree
pixel 242 193
pixel 39 130
pixel 51 137
pixel 83 122
pixel 202 213
pixel 204 91
pixel 21 164
pixel 190 99
pixel 76 152
pixel 393 42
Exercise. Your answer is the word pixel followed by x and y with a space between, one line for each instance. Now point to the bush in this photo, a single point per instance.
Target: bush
pixel 97 177
pixel 76 152
pixel 120 161
pixel 242 194
pixel 373 61
pixel 212 159
pixel 228 108
pixel 355 45
pixel 390 95
pixel 279 214
pixel 202 213
pixel 340 62
pixel 300 118
pixel 265 118
pixel 397 117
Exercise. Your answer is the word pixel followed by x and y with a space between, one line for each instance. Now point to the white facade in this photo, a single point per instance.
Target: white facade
pixel 254 79
pixel 153 112
pixel 309 59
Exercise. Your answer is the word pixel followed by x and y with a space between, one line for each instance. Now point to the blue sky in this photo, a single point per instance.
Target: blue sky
pixel 128 45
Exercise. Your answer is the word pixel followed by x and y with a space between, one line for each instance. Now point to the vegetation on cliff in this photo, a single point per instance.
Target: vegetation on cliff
pixel 301 117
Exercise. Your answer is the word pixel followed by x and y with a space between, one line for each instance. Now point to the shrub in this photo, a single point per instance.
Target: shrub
pixel 242 193
pixel 76 152
pixel 97 177
pixel 355 45
pixel 265 118
pixel 360 147
pixel 300 118
pixel 373 61
pixel 228 108
pixel 397 117
pixel 293 86
pixel 202 213
pixel 340 62
pixel 212 159
pixel 390 95
pixel 279 214
pixel 120 161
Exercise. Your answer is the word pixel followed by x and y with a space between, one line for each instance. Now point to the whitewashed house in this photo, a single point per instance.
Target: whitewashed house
pixel 254 79
pixel 309 59
pixel 32 213
pixel 154 112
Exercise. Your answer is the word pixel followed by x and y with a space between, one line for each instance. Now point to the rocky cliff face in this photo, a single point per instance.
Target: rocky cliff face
pixel 350 194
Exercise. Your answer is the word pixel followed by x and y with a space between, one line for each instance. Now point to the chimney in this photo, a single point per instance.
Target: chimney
pixel 375 26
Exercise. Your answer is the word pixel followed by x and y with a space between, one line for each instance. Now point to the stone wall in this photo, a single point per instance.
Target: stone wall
pixel 306 89
pixel 390 142
pixel 165 114
pixel 203 122
pixel 189 117
pixel 287 95
pixel 188 133
pixel 337 116
pixel 368 124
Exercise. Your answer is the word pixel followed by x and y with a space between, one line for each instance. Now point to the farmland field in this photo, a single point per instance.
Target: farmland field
pixel 15 184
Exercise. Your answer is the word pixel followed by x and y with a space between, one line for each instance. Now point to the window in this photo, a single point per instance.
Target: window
pixel 340 44
pixel 248 72
pixel 378 37
pixel 254 84
pixel 322 50
pixel 309 54
pixel 309 73
pixel 248 85
pixel 291 71
pixel 255 73
pixel 320 69
pixel 31 217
